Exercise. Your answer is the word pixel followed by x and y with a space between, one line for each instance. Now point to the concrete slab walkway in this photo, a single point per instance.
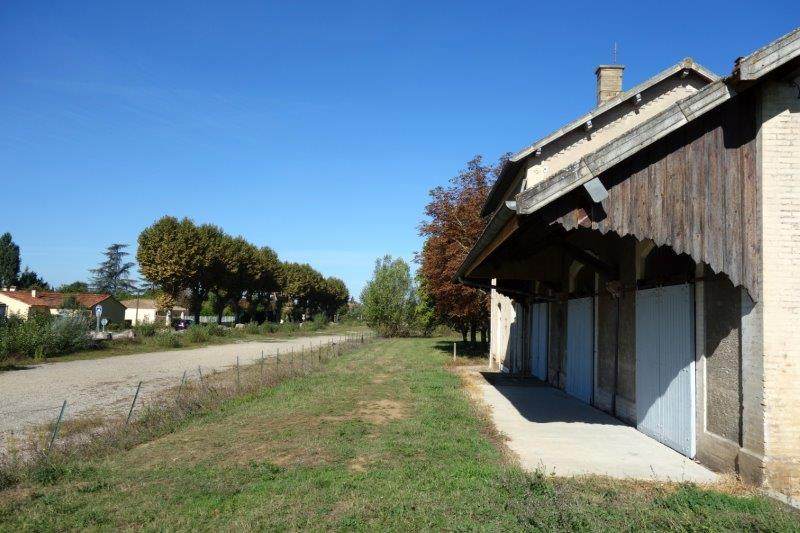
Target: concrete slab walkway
pixel 560 435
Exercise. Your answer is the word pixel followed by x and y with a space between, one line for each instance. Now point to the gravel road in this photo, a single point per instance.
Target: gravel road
pixel 34 395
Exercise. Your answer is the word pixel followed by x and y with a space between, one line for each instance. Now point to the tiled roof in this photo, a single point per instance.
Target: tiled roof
pixel 146 303
pixel 54 300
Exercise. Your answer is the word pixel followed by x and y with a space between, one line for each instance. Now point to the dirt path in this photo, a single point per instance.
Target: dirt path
pixel 34 395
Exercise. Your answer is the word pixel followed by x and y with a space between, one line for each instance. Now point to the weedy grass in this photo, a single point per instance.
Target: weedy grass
pixel 381 438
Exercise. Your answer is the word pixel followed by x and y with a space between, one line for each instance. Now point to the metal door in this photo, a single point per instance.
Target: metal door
pixel 580 337
pixel 665 381
pixel 538 339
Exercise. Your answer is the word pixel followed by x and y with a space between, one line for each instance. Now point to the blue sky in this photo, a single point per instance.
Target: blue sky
pixel 314 127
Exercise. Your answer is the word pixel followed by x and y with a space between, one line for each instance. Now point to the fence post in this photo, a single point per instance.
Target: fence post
pixel 202 381
pixel 133 403
pixel 262 367
pixel 454 351
pixel 57 426
pixel 238 381
pixel 180 387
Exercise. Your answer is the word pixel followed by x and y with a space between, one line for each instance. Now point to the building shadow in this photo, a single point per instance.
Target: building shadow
pixel 538 402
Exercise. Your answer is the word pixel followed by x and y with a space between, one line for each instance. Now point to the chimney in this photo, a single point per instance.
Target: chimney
pixel 609 82
pixel 33 293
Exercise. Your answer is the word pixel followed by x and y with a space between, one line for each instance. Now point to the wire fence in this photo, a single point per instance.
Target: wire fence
pixel 69 420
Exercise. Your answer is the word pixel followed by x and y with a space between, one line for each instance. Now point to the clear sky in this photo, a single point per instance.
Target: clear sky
pixel 316 128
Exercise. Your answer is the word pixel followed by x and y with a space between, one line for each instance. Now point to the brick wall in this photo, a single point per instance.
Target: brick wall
pixel 780 167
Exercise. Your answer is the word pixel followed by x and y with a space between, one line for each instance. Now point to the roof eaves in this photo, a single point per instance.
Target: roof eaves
pixel 493 227
pixel 621 148
pixel 687 63
pixel 512 165
pixel 769 57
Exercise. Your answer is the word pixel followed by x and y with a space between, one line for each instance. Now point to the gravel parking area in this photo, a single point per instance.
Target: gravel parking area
pixel 34 395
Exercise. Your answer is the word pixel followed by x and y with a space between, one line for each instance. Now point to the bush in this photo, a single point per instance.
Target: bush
pixel 268 327
pixel 168 339
pixel 252 328
pixel 319 322
pixel 145 329
pixel 197 333
pixel 43 335
pixel 68 334
pixel 216 330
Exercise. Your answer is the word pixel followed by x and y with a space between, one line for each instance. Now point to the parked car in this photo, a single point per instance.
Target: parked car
pixel 181 324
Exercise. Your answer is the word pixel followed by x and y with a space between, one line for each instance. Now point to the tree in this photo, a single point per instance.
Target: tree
pixel 237 270
pixel 113 274
pixel 303 286
pixel 334 296
pixel 29 279
pixel 388 299
pixel 181 257
pixel 453 225
pixel 9 261
pixel 425 319
pixel 259 297
pixel 74 287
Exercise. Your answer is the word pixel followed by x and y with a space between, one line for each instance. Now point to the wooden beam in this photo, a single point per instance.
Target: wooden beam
pixel 621 148
pixel 772 56
pixel 510 227
pixel 606 270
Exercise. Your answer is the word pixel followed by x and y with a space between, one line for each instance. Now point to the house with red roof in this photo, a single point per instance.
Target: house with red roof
pixel 25 302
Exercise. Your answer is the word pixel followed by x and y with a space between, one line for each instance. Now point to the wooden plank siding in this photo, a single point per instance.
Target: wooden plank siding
pixel 695 190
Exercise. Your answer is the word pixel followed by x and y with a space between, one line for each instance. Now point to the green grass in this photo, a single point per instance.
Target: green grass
pixel 157 344
pixel 383 438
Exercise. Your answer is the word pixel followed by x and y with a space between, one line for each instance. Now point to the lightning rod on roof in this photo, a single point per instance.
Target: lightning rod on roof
pixel 614 54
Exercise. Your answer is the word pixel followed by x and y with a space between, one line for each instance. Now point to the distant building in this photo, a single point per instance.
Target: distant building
pixel 23 303
pixel 147 311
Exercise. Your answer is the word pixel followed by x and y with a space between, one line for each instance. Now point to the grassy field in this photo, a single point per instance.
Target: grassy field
pixel 153 344
pixel 383 438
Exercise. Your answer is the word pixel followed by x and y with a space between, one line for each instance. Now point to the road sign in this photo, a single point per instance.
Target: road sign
pixel 98 310
pixel 104 322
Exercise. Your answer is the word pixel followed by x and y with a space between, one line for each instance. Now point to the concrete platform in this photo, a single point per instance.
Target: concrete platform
pixel 560 435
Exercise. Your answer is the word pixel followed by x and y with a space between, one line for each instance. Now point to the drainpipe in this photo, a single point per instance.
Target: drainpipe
pixel 616 360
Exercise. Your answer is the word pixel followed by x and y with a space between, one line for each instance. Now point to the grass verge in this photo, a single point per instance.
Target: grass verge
pixel 382 438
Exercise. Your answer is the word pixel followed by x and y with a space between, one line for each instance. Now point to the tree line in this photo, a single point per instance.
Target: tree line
pixel 201 263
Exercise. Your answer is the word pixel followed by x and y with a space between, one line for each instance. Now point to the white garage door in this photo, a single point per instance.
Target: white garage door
pixel 580 336
pixel 665 385
pixel 538 335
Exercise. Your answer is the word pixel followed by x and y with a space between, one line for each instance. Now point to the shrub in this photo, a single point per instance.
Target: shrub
pixel 145 329
pixel 252 328
pixel 43 335
pixel 268 327
pixel 197 333
pixel 216 330
pixel 68 334
pixel 319 322
pixel 168 339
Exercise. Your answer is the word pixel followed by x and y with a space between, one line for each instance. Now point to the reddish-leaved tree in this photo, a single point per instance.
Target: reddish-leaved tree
pixel 452 227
